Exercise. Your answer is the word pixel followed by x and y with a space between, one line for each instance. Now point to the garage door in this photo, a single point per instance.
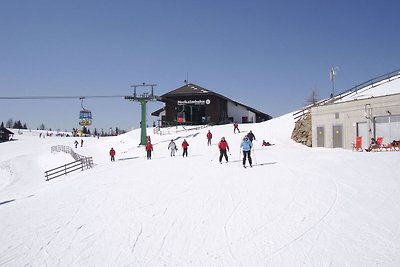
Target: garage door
pixel 388 127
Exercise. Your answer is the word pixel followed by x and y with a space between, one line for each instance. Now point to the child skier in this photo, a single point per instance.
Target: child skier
pixel 172 147
pixel 112 154
pixel 209 137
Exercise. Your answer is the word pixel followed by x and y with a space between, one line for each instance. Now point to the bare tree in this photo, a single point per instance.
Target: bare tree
pixel 313 97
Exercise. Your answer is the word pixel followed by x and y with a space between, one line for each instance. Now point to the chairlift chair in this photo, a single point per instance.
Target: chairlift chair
pixel 85 116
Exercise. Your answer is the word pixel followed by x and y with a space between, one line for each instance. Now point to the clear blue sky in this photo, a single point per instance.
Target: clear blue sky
pixel 265 54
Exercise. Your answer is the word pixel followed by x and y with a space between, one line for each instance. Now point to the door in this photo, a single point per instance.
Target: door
pixel 362 130
pixel 337 135
pixel 321 136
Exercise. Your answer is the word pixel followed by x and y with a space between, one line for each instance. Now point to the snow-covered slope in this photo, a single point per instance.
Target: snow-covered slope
pixel 296 206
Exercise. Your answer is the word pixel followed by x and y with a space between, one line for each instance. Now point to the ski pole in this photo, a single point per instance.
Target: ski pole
pixel 254 154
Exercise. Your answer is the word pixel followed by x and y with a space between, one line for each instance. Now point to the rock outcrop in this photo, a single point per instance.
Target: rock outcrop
pixel 302 132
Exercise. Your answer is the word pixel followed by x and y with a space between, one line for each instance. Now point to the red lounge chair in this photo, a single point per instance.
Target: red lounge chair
pixel 357 145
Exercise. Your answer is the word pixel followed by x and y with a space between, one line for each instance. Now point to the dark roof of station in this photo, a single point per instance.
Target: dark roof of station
pixel 191 89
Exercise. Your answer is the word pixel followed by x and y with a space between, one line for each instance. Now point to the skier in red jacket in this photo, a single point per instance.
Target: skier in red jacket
pixel 185 145
pixel 209 137
pixel 223 147
pixel 236 127
pixel 112 154
pixel 148 148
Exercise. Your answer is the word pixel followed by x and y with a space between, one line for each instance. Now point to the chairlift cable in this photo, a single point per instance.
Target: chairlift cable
pixel 57 97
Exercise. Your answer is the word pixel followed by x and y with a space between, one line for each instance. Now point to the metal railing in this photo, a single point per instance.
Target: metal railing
pixel 372 83
pixel 171 129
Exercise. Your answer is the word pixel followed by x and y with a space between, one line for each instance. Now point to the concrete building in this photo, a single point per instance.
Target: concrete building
pixel 195 105
pixel 369 110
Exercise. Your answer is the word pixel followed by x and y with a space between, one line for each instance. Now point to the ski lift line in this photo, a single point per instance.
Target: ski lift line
pixel 57 97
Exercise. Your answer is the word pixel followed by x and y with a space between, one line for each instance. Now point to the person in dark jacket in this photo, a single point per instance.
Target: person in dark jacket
pixel 185 145
pixel 264 143
pixel 223 148
pixel 371 145
pixel 251 136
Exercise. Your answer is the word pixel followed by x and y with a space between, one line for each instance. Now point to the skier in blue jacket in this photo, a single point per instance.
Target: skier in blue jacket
pixel 246 146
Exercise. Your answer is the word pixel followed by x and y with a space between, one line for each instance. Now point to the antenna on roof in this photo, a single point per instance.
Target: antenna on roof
pixel 332 74
pixel 187 78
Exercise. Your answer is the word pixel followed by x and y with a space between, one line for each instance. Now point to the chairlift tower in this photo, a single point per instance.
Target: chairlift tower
pixel 143 99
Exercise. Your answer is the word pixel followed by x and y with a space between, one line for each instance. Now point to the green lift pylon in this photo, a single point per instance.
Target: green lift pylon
pixel 143 99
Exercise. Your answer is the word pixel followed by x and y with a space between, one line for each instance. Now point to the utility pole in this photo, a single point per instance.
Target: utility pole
pixel 143 99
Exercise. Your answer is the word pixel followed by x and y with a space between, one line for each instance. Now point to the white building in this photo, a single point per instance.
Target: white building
pixel 369 110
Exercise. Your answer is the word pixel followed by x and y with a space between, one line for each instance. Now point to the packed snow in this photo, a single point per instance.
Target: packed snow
pixel 384 87
pixel 297 206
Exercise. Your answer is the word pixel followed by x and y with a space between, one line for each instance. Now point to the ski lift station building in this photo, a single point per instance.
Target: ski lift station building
pixel 371 109
pixel 195 105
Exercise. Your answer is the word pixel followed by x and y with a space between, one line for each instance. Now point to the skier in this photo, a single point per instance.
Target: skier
pixel 236 127
pixel 223 147
pixel 246 146
pixel 112 154
pixel 81 142
pixel 148 148
pixel 185 145
pixel 76 143
pixel 251 136
pixel 172 147
pixel 209 137
pixel 266 143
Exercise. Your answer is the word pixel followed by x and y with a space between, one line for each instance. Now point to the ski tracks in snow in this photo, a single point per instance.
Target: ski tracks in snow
pixel 312 227
pixel 227 238
pixel 136 239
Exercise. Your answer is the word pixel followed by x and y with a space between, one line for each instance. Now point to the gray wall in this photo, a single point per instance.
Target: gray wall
pixel 335 125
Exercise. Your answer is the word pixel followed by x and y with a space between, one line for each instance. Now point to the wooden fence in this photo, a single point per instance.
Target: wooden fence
pixel 80 163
